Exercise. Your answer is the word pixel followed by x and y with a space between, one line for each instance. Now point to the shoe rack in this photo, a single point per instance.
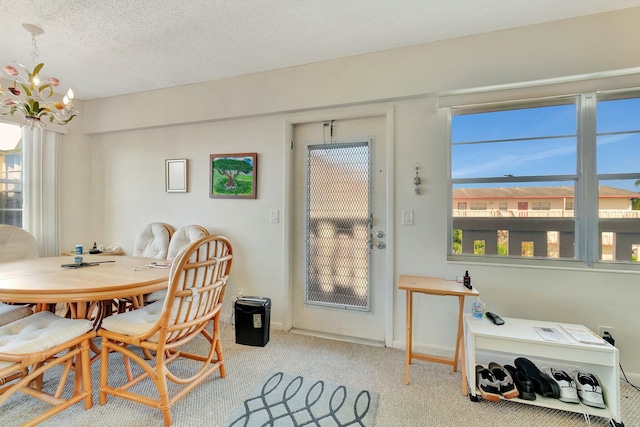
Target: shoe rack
pixel 485 342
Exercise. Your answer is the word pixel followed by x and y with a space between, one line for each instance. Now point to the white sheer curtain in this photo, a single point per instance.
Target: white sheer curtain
pixel 40 209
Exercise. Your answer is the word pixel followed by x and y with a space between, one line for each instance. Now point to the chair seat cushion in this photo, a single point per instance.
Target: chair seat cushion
pixel 39 332
pixel 11 313
pixel 157 295
pixel 135 322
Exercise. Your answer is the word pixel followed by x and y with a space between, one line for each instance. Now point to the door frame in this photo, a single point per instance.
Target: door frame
pixel 388 111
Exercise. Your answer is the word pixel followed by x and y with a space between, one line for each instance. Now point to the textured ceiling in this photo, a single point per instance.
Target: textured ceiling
pixel 104 48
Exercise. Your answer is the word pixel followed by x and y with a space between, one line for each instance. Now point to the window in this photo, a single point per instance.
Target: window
pixel 618 145
pixel 541 206
pixel 551 161
pixel 10 175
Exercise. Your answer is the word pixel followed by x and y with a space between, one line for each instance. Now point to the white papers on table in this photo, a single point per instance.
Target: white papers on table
pixel 551 334
pixel 583 334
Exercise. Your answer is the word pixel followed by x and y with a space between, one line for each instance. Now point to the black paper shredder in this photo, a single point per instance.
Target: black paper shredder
pixel 253 318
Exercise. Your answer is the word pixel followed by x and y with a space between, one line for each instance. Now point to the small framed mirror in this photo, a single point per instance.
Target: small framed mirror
pixel 176 175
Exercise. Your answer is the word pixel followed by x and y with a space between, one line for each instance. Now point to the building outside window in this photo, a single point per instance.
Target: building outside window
pixel 521 160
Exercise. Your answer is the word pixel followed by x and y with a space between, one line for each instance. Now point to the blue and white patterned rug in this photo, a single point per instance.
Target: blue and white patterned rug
pixel 284 400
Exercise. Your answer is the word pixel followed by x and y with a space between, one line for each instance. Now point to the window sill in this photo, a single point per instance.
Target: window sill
pixel 539 263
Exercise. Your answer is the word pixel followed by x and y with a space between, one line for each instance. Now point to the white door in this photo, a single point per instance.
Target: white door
pixel 340 227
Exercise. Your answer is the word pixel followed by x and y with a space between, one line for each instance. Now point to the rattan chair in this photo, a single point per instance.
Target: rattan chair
pixel 31 347
pixel 152 242
pixel 183 236
pixel 15 244
pixel 10 313
pixel 197 284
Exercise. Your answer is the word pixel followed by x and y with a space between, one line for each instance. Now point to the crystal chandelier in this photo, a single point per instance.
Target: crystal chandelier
pixel 31 96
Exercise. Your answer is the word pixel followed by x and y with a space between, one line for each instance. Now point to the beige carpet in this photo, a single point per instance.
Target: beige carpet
pixel 432 398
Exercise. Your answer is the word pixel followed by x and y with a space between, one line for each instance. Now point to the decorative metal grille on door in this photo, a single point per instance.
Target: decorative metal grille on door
pixel 338 229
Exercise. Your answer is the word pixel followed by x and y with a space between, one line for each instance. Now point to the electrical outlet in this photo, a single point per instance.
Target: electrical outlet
pixel 603 329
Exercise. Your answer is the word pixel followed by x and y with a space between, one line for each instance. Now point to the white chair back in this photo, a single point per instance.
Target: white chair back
pixel 153 241
pixel 16 243
pixel 183 237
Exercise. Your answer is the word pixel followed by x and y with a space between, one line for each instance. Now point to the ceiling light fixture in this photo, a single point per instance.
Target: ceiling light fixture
pixel 31 96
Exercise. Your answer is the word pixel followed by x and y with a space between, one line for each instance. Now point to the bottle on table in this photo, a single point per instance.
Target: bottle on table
pixel 477 308
pixel 77 259
pixel 466 280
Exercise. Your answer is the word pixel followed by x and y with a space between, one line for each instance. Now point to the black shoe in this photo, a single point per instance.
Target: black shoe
pixel 542 384
pixel 487 384
pixel 523 384
pixel 568 390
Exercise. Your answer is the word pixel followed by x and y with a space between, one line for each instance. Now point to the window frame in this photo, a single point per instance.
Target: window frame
pixel 585 179
pixel 6 181
pixel 611 95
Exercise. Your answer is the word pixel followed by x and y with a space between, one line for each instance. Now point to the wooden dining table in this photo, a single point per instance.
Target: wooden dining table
pixel 45 281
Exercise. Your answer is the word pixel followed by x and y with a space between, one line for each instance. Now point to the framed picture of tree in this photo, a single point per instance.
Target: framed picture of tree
pixel 233 175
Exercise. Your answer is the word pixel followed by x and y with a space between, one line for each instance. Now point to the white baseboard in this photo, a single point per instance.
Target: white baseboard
pixel 338 337
pixel 226 318
pixel 633 378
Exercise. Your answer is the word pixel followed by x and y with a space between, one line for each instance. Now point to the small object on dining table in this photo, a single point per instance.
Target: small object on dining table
pixel 155 264
pixel 83 264
pixel 77 259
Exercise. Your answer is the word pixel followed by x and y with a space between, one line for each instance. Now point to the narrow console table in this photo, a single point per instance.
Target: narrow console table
pixel 432 286
pixel 518 338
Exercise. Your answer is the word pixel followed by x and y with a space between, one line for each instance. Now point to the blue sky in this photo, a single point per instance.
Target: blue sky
pixel 552 151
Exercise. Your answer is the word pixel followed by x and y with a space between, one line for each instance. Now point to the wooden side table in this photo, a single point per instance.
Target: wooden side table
pixel 433 286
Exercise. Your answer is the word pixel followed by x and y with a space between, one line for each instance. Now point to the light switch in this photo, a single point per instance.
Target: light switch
pixel 275 216
pixel 407 217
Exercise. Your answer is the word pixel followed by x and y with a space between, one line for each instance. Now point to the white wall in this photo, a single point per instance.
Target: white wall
pixel 131 136
pixel 131 193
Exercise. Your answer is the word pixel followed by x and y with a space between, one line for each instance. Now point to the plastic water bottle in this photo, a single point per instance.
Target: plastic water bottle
pixel 77 259
pixel 477 309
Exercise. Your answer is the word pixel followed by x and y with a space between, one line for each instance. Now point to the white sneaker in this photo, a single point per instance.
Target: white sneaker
pixel 589 389
pixel 568 390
